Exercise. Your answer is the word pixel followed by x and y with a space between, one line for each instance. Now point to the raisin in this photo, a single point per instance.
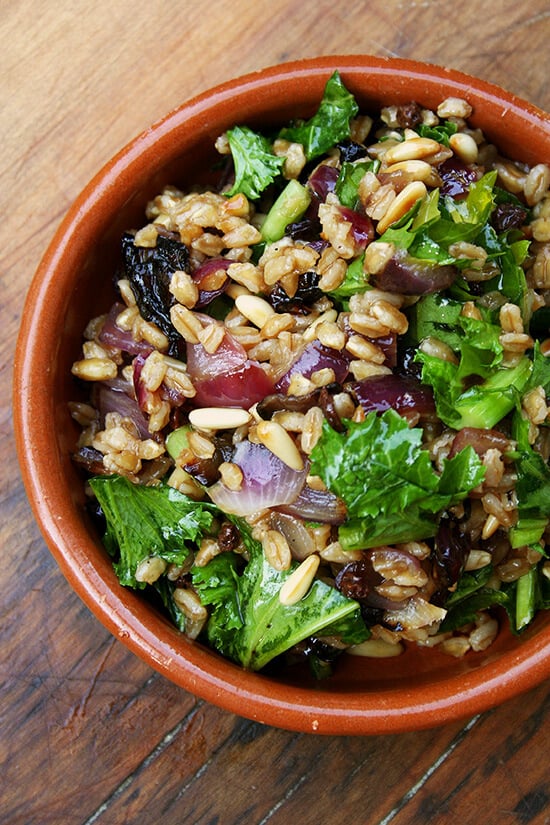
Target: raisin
pixel 409 115
pixel 353 580
pixel 507 216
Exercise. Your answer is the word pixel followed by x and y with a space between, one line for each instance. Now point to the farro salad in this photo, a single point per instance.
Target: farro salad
pixel 317 420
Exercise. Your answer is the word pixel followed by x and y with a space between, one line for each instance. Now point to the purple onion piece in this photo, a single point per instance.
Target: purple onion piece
pixel 412 276
pixel 110 399
pixel 315 505
pixel 267 482
pixel 112 335
pixel 400 393
pixel 323 180
pixel 361 226
pixel 200 275
pixel 314 357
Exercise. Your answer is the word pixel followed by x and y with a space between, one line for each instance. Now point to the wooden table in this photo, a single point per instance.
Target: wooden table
pixel 88 733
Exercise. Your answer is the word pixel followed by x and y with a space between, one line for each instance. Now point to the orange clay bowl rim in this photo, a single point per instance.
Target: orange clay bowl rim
pixel 41 419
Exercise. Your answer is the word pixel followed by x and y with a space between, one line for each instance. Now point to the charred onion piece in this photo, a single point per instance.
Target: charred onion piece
pixel 481 441
pixel 316 505
pixel 398 392
pixel 411 276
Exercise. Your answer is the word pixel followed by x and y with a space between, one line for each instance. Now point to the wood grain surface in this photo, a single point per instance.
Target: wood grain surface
pixel 88 733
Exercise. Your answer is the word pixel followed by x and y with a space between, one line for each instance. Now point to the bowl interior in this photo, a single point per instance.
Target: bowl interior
pixel 74 283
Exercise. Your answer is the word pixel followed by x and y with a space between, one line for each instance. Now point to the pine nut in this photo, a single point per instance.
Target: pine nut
pixel 280 443
pixel 406 199
pixel 490 526
pixel 464 146
pixel 219 418
pixel 255 309
pixel 300 580
pixel 413 149
pixel 412 169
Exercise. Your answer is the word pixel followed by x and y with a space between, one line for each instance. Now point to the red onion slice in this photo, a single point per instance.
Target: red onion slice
pixel 315 357
pixel 267 482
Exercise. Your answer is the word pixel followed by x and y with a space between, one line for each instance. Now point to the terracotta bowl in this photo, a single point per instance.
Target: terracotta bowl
pixel 416 690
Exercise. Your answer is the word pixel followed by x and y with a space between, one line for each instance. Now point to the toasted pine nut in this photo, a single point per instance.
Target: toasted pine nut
pixel 490 526
pixel 280 443
pixel 219 418
pixel 254 308
pixel 413 149
pixel 404 201
pixel 412 169
pixel 300 580
pixel 464 146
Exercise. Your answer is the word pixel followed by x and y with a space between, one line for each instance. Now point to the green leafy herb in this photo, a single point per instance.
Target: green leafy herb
pixel 347 183
pixel 330 124
pixel 442 132
pixel 256 167
pixel 249 624
pixel 147 521
pixel 390 487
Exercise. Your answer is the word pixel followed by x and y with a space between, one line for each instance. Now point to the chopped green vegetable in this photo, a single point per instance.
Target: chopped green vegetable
pixel 249 624
pixel 391 490
pixel 289 207
pixel 145 522
pixel 330 124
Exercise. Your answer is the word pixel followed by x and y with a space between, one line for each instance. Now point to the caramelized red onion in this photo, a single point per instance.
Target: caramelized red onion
pixel 201 275
pixel 412 276
pixel 226 378
pixel 267 482
pixel 481 441
pixel 401 393
pixel 314 357
pixel 112 335
pixel 315 505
